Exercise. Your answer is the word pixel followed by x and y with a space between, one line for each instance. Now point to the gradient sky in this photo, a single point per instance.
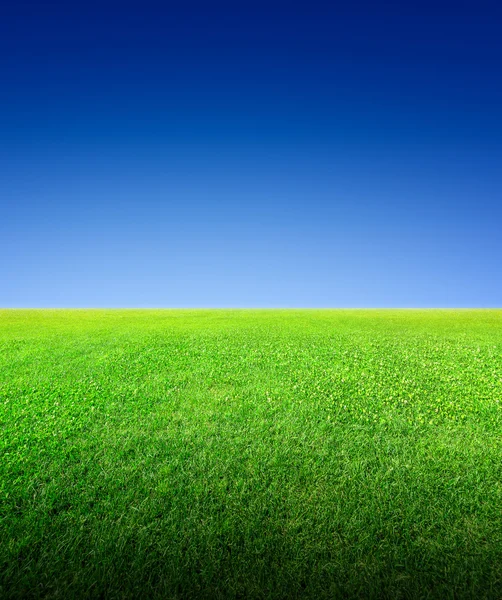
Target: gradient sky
pixel 250 154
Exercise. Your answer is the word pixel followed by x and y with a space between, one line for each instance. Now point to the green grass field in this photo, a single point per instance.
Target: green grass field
pixel 251 454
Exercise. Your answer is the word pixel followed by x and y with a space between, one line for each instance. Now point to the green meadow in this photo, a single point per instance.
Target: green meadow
pixel 251 454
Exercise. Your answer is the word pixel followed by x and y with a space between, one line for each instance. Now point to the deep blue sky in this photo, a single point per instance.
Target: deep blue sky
pixel 250 154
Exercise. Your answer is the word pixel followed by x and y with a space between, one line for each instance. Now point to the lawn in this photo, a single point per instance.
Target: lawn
pixel 251 454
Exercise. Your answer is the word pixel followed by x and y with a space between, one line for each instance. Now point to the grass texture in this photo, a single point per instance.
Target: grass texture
pixel 250 454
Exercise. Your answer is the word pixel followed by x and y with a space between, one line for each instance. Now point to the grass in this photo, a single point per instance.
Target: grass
pixel 250 454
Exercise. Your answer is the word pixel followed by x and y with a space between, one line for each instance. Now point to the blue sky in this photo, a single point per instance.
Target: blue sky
pixel 250 155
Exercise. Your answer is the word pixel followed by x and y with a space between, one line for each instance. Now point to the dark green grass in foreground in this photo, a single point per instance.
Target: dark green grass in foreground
pixel 312 454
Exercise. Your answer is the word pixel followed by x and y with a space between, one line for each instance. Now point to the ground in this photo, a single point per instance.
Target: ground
pixel 251 454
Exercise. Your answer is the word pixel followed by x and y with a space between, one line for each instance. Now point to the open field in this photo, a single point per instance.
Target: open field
pixel 251 454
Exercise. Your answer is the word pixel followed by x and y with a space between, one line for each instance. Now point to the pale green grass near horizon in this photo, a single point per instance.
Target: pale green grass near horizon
pixel 238 453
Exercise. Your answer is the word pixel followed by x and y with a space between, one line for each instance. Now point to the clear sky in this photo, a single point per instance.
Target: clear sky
pixel 250 154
